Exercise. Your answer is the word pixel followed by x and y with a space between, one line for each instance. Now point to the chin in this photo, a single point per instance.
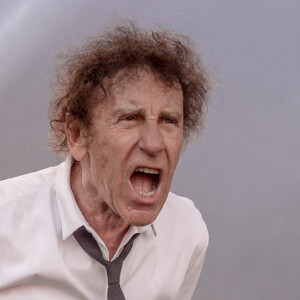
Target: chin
pixel 141 218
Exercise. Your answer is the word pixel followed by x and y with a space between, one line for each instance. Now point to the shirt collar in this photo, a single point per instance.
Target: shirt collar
pixel 70 214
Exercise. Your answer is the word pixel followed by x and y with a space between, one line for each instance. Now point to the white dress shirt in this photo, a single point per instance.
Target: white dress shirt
pixel 40 258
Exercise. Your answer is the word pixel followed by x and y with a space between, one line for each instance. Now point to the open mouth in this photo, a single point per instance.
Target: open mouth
pixel 145 181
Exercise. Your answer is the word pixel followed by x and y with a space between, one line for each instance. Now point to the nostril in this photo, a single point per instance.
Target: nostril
pixel 152 149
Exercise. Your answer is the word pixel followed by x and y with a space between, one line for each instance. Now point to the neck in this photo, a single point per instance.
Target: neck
pixel 107 224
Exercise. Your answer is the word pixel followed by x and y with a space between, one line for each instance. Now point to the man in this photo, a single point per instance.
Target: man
pixel 103 224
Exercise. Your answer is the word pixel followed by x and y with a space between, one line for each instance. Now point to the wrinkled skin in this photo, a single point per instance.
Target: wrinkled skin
pixel 140 125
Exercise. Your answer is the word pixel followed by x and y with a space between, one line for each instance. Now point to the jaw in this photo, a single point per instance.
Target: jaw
pixel 128 195
pixel 141 217
pixel 141 210
pixel 141 213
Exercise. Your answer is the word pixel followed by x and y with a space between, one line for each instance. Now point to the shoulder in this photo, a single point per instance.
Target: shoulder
pixel 25 186
pixel 180 216
pixel 183 204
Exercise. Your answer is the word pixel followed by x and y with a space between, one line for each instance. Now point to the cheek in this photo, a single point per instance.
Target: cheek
pixel 103 162
pixel 99 154
pixel 127 136
pixel 175 146
pixel 108 160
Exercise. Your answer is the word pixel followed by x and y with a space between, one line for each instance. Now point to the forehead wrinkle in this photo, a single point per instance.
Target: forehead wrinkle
pixel 166 109
pixel 134 104
pixel 131 104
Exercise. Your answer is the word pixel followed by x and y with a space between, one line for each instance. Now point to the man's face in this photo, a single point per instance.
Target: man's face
pixel 136 142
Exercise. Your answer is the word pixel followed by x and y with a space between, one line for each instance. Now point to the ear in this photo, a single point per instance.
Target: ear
pixel 76 137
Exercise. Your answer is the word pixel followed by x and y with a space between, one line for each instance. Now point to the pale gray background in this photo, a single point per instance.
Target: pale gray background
pixel 243 174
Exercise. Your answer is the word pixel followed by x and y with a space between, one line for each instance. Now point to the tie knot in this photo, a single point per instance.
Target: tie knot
pixel 113 272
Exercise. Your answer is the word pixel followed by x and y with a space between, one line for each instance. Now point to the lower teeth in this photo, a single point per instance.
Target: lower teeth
pixel 150 194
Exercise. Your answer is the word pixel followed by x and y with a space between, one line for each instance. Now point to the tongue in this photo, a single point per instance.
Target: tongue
pixel 141 182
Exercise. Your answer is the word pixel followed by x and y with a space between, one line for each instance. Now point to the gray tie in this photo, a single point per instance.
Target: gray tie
pixel 113 268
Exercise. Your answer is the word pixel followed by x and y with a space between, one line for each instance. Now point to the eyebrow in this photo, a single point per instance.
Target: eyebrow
pixel 176 115
pixel 135 109
pixel 140 111
pixel 124 111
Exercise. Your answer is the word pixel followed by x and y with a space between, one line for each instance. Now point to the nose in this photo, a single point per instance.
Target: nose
pixel 151 140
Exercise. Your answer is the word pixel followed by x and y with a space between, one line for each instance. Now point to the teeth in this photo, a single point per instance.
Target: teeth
pixel 147 170
pixel 150 194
